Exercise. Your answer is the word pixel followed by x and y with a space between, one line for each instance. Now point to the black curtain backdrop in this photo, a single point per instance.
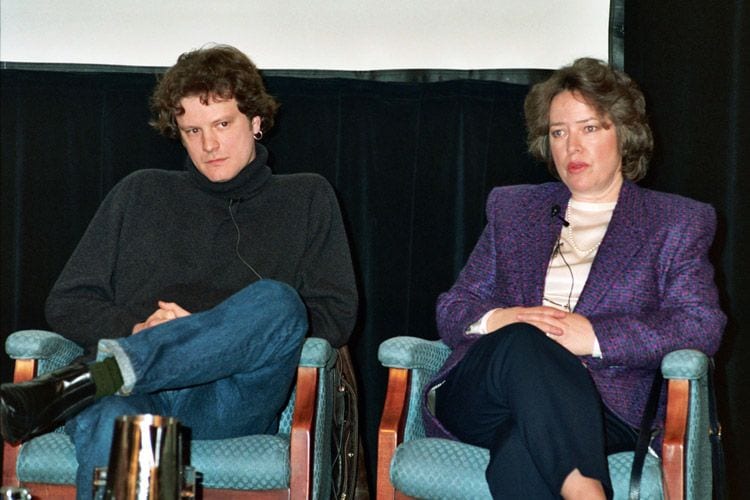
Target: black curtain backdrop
pixel 412 162
pixel 692 59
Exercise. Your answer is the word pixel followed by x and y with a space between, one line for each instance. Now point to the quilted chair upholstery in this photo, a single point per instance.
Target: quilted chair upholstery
pixel 294 463
pixel 411 465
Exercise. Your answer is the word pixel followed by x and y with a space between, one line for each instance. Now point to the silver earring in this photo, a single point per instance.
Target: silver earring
pixel 258 135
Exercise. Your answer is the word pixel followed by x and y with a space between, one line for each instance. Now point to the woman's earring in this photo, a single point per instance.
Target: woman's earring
pixel 258 135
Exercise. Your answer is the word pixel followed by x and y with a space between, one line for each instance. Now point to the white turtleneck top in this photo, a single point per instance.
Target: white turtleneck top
pixel 575 252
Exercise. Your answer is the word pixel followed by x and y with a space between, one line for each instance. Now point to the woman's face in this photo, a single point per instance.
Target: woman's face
pixel 585 149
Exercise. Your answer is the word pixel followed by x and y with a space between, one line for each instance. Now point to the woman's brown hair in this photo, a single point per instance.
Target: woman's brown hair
pixel 612 93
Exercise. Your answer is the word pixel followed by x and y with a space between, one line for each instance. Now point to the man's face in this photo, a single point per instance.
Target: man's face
pixel 218 136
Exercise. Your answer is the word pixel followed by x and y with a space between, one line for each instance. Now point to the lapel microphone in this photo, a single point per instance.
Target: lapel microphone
pixel 555 212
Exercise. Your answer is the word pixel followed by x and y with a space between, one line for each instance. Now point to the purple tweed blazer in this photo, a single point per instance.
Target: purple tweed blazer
pixel 650 291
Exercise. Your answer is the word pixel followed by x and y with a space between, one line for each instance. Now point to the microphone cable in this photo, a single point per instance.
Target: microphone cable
pixel 237 244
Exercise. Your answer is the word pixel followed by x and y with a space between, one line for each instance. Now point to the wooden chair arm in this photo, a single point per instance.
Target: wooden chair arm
pixel 391 430
pixel 302 434
pixel 675 428
pixel 24 369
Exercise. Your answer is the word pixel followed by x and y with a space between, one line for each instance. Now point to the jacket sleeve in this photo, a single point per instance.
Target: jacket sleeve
pixel 82 305
pixel 687 314
pixel 479 288
pixel 328 287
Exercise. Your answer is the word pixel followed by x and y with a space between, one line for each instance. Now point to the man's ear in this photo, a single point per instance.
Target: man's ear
pixel 255 123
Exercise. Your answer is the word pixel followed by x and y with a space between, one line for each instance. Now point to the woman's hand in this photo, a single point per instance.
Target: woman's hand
pixel 167 311
pixel 571 330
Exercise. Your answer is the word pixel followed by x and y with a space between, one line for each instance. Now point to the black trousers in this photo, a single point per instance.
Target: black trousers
pixel 534 406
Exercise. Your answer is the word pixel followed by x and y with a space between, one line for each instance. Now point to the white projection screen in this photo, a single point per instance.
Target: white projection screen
pixel 351 35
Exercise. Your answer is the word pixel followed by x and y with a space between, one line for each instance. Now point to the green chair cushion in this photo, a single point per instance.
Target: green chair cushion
pixel 258 462
pixel 440 469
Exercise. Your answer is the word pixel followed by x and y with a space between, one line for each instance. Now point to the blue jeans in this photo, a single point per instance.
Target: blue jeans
pixel 222 373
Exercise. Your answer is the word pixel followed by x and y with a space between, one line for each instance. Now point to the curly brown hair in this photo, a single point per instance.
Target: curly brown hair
pixel 216 71
pixel 612 93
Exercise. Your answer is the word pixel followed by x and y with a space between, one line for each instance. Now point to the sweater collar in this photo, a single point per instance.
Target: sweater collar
pixel 243 185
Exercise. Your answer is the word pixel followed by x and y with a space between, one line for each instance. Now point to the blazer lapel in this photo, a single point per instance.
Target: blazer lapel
pixel 540 234
pixel 625 236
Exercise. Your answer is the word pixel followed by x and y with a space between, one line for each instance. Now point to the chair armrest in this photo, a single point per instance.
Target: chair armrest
pixel 685 364
pixel 411 362
pixel 38 351
pixel 312 407
pixel 317 353
pixel 421 360
pixel 40 344
pixel 413 353
pixel 391 428
pixel 35 352
pixel 686 424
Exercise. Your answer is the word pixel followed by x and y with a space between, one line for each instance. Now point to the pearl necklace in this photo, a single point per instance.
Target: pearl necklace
pixel 572 241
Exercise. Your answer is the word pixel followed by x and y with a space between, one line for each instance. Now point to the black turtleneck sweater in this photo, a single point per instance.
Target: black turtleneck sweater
pixel 169 235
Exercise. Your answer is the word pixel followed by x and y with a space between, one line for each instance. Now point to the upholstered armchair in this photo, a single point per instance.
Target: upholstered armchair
pixel 411 465
pixel 294 463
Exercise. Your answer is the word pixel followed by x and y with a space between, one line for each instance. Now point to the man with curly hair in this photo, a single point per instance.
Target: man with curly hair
pixel 195 289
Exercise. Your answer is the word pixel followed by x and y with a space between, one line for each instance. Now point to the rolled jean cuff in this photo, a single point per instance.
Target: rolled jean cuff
pixel 108 348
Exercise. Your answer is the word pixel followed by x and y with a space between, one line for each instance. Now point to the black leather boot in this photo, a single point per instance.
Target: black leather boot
pixel 40 405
